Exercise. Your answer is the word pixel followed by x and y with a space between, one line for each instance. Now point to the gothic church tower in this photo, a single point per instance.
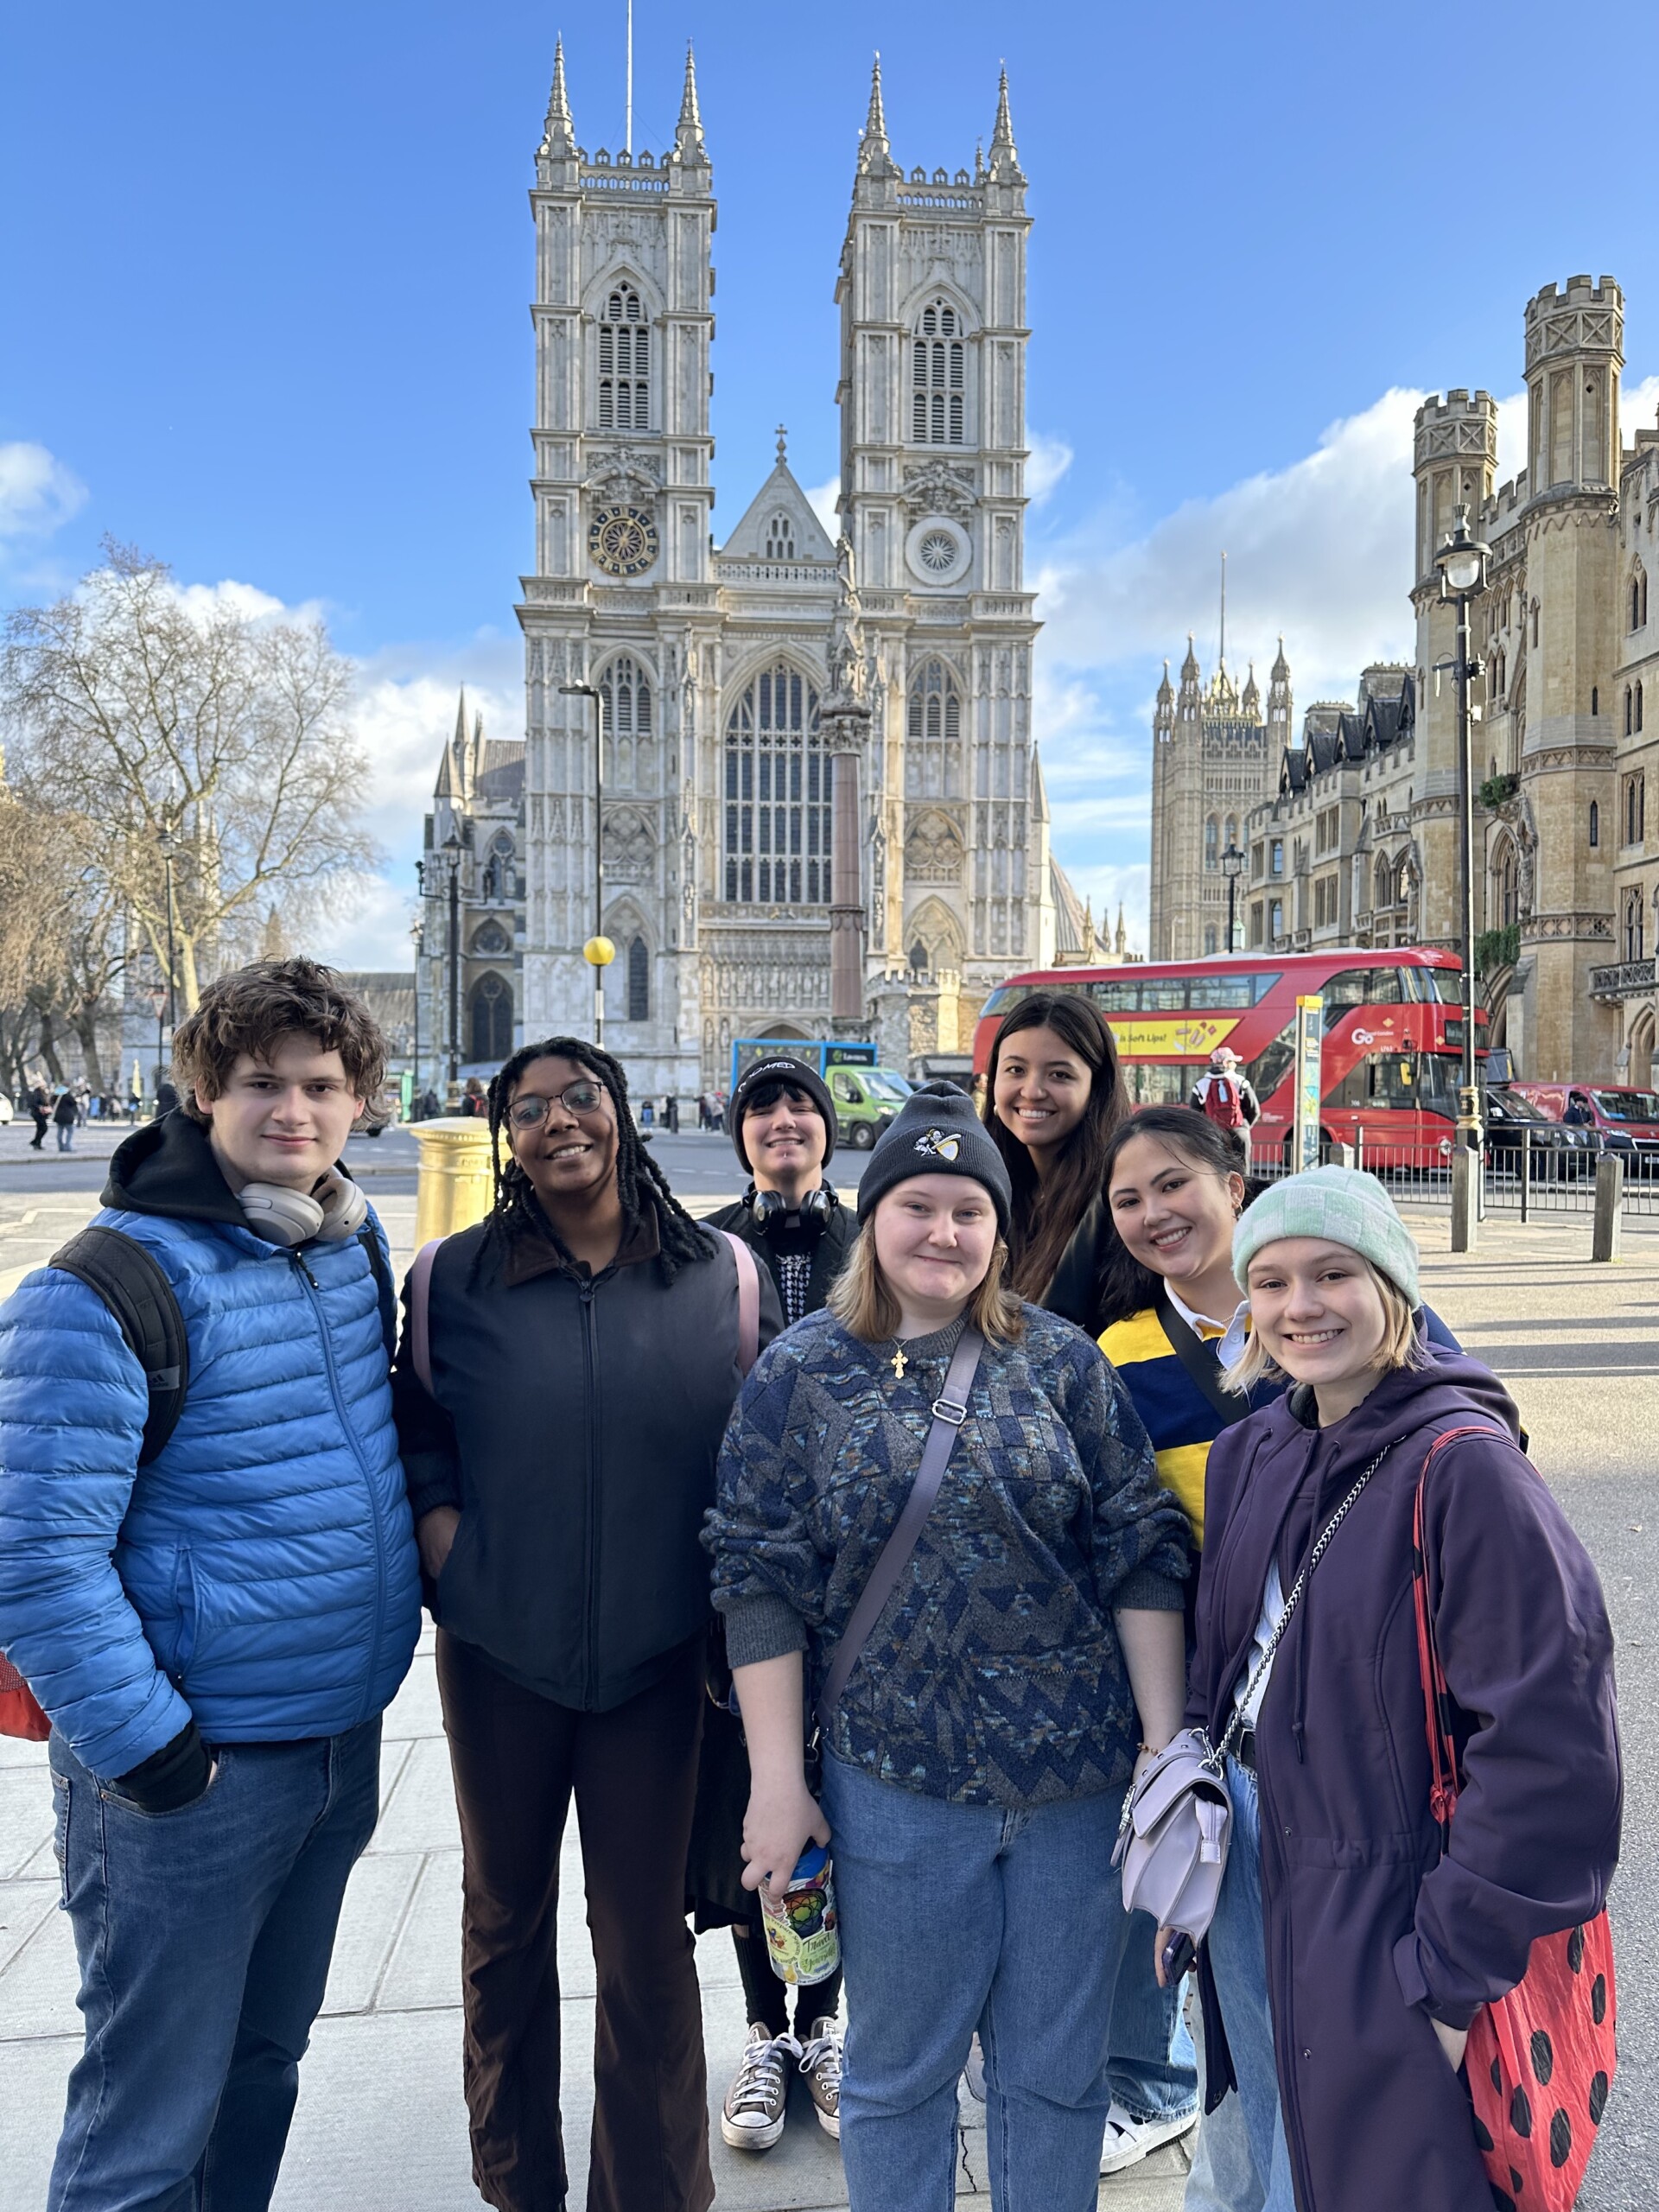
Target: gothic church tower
pixel 622 597
pixel 932 297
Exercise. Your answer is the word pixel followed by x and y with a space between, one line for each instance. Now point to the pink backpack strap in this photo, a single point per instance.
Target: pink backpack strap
pixel 748 1301
pixel 420 1310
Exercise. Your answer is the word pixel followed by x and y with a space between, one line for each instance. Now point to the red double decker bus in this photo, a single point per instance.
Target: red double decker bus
pixel 1393 1038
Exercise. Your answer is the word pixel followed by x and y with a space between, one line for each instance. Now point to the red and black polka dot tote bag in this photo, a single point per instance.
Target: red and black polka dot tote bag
pixel 1539 2061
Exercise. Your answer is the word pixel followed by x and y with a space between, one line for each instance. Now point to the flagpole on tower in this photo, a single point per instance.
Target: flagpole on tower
pixel 627 132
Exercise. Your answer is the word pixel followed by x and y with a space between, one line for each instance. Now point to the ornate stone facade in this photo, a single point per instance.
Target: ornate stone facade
pixel 1359 843
pixel 727 679
pixel 478 803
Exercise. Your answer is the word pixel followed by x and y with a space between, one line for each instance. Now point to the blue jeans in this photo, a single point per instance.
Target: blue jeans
pixel 955 1917
pixel 204 1937
pixel 65 1135
pixel 1238 1959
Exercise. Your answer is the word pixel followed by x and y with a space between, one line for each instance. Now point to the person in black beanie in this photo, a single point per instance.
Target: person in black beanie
pixel 783 1125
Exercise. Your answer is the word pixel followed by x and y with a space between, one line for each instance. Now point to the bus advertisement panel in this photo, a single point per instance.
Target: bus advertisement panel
pixel 1393 1037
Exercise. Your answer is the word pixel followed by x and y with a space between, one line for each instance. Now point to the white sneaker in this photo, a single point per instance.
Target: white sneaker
pixel 751 2118
pixel 820 2063
pixel 1127 2141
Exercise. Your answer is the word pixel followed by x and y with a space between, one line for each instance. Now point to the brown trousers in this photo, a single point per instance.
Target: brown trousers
pixel 517 1759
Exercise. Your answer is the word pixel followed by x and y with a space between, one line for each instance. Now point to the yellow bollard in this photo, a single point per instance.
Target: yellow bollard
pixel 456 1185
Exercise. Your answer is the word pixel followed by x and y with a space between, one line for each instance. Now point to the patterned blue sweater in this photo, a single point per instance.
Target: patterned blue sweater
pixel 994 1676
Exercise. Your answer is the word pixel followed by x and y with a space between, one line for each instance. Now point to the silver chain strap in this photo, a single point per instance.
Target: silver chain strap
pixel 1217 1758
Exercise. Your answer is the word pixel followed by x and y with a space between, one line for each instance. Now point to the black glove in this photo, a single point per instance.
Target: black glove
pixel 174 1777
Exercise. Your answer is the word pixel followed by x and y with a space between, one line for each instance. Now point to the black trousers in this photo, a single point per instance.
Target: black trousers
pixel 517 1759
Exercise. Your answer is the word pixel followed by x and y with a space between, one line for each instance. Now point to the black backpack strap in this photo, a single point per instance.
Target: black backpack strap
pixel 132 1283
pixel 1197 1355
pixel 383 1289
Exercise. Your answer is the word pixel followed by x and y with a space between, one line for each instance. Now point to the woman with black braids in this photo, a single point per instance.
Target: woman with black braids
pixel 561 1394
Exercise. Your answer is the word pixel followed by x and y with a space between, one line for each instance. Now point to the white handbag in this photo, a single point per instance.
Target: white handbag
pixel 1177 1819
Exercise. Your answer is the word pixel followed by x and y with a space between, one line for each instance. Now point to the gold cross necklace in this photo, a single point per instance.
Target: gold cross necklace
pixel 899 1363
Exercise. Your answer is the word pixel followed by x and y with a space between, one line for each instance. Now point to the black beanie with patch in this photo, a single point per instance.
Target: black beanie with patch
pixel 793 1074
pixel 936 1132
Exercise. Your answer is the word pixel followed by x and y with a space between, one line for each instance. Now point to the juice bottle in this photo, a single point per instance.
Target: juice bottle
pixel 803 1939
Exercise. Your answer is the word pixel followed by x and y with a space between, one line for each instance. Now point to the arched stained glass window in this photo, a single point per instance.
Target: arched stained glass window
pixel 933 733
pixel 939 377
pixel 624 362
pixel 492 1012
pixel 639 980
pixel 776 796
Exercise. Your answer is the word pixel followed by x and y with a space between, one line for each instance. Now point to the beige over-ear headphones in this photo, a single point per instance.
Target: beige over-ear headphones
pixel 332 1209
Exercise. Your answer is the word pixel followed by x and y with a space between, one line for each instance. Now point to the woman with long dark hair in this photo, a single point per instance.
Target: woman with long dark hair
pixel 1052 1100
pixel 561 1396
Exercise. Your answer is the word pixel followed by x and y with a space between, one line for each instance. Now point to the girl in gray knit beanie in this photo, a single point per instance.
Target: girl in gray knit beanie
pixel 1329 1271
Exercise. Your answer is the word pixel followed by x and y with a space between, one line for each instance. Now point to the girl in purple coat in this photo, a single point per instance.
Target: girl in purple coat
pixel 1379 1947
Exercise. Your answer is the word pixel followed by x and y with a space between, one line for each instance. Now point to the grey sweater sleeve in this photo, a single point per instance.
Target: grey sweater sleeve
pixel 761 1628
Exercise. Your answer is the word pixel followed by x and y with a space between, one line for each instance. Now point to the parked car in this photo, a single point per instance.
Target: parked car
pixel 1557 1149
pixel 5 1109
pixel 1625 1120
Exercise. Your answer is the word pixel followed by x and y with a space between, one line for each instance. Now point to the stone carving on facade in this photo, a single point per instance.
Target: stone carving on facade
pixel 1516 813
pixel 630 848
pixel 622 473
pixel 939 487
pixel 846 662
pixel 934 851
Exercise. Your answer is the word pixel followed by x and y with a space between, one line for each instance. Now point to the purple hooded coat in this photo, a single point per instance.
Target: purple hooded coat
pixel 1369 1928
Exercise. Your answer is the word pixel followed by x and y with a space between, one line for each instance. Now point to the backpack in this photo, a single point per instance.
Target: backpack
pixel 1222 1103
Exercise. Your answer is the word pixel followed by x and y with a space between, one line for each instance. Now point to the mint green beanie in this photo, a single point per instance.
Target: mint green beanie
pixel 1342 1205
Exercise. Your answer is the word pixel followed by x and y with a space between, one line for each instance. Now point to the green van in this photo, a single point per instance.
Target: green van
pixel 867 1100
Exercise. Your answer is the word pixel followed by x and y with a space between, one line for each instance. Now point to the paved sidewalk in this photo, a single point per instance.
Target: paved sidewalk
pixel 381 2126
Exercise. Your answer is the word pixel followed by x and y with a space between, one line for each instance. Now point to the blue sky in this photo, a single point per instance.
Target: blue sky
pixel 264 280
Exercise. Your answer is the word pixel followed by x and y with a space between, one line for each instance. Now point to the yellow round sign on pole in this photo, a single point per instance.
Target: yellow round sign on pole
pixel 599 952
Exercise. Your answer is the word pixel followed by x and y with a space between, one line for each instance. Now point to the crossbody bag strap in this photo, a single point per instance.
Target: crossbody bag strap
pixel 1200 1359
pixel 1442 1746
pixel 950 1411
pixel 1242 1705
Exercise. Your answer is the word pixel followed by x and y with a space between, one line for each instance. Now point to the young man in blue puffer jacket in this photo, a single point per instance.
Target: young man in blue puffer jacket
pixel 215 1634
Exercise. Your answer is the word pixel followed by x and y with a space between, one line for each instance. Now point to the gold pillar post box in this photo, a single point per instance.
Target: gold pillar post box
pixel 456 1185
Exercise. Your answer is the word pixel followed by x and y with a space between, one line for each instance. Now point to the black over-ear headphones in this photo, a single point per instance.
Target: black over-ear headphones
pixel 767 1206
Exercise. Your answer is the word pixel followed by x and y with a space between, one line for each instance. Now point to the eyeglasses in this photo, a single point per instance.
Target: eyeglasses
pixel 575 1098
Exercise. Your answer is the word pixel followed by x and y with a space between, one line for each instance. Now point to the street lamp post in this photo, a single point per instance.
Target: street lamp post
pixel 1232 867
pixel 1462 564
pixel 599 951
pixel 416 939
pixel 452 856
pixel 165 840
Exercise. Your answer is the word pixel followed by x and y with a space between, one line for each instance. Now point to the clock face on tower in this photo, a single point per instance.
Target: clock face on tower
pixel 622 541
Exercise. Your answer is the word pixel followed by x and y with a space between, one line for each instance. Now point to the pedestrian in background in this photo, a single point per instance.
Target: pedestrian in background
pixel 66 1116
pixel 40 1105
pixel 583 1344
pixel 1224 1096
pixel 1052 1099
pixel 976 1759
pixel 783 1134
pixel 1352 1946
pixel 214 1632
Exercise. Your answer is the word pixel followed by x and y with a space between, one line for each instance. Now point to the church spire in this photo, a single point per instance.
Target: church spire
pixel 1004 162
pixel 688 136
pixel 874 155
pixel 558 133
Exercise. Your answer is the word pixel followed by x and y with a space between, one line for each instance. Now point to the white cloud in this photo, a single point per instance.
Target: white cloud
pixel 37 491
pixel 1049 460
pixel 201 600
pixel 822 500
